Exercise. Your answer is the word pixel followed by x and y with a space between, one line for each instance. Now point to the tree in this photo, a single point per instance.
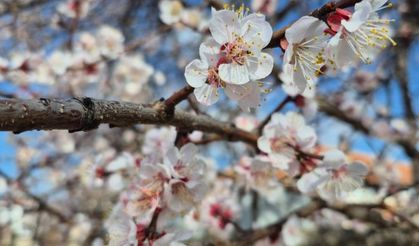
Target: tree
pixel 196 123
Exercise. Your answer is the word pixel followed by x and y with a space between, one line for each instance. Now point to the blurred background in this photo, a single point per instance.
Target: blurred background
pixel 50 191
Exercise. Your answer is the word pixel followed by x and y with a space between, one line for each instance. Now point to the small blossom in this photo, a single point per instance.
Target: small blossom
pixel 297 231
pixel 333 178
pixel 158 141
pixel 246 122
pixel 132 72
pixel 187 186
pixel 59 61
pixel 170 11
pixel 204 76
pixel 281 136
pixel 360 35
pixel 110 42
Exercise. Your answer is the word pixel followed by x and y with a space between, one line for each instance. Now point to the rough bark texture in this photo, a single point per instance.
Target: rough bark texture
pixel 83 114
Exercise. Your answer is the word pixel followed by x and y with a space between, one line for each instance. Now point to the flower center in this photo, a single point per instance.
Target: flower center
pixel 214 79
pixel 235 52
pixel 339 173
pixel 278 144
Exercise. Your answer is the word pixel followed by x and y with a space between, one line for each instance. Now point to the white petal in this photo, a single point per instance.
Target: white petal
pixel 260 67
pixel 188 152
pixel 309 182
pixel 297 31
pixel 254 28
pixel 306 137
pixel 206 94
pixel 224 26
pixel 234 73
pixel 209 52
pixel 264 144
pixel 196 73
pixel 359 17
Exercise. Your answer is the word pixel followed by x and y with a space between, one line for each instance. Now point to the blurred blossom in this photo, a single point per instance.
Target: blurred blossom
pixel 267 7
pixel 59 61
pixel 170 11
pixel 333 179
pixel 297 231
pixel 110 42
pixel 364 81
pixel 246 122
pixel 132 73
pixel 159 78
pixel 282 137
pixel 74 8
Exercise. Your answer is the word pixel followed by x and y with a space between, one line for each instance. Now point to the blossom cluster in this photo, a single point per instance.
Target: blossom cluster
pixel 170 182
pixel 288 142
pixel 232 58
pixel 310 52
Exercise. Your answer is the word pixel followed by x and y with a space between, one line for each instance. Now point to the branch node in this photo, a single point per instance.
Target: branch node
pixel 89 121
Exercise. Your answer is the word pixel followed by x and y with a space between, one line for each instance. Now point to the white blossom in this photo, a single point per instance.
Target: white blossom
pixel 333 178
pixel 240 39
pixel 282 135
pixel 297 231
pixel 110 42
pixel 186 187
pixel 359 36
pixel 204 76
pixel 170 11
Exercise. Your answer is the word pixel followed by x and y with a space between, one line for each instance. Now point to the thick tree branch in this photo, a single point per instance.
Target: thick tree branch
pixel 83 114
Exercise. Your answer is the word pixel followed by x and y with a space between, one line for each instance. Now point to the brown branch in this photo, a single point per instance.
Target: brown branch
pixel 178 97
pixel 83 114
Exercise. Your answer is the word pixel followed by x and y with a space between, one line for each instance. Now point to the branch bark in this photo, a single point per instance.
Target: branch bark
pixel 84 114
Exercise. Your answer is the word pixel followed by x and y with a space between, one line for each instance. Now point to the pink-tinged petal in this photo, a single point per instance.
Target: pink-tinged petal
pixel 359 17
pixel 309 182
pixel 260 67
pixel 209 52
pixel 224 26
pixel 196 73
pixel 297 31
pixel 206 94
pixel 234 73
pixel 251 99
